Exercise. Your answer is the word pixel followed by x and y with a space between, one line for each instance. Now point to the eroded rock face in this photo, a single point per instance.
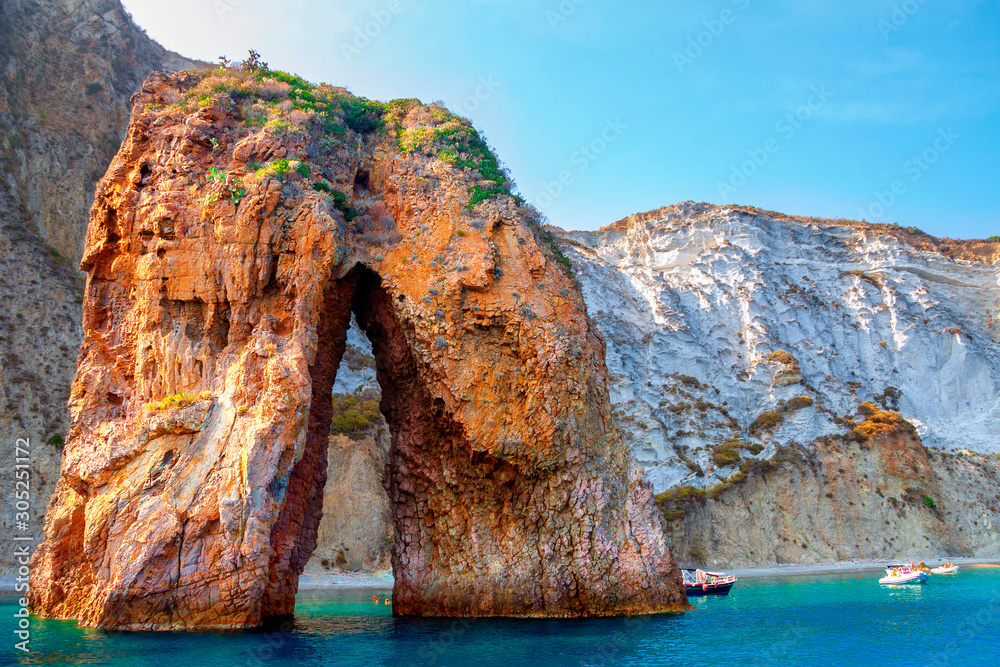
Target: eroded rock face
pixel 761 334
pixel 69 67
pixel 699 305
pixel 887 498
pixel 223 261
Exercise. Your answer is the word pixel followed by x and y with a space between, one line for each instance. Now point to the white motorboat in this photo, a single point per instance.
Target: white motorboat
pixel 947 568
pixel 903 574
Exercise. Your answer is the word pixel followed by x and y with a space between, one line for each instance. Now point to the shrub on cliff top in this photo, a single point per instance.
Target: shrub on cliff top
pixel 444 135
pixel 335 107
pixel 254 63
pixel 455 141
pixel 362 115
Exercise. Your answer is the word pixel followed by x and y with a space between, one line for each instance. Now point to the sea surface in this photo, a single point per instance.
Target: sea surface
pixel 845 619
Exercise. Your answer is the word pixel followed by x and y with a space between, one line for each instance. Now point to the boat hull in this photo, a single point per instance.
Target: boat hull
pixel 701 590
pixel 915 578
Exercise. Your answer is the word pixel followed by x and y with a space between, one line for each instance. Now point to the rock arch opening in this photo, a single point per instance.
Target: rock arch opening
pixel 355 533
pixel 473 534
pixel 425 454
pixel 357 296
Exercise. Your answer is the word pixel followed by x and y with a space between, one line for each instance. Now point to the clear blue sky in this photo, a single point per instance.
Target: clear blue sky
pixel 821 107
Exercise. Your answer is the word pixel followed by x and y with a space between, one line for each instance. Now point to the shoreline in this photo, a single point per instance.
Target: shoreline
pixel 366 581
pixel 853 565
pixel 346 581
pixel 383 580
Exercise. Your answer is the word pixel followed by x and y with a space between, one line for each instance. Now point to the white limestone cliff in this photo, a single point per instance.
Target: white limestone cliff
pixel 693 298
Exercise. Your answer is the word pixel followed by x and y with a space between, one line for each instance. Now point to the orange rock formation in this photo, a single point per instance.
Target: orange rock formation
pixel 224 262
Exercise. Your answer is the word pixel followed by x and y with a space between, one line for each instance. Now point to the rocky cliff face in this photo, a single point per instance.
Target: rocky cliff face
pixel 834 500
pixel 67 69
pixel 741 345
pixel 242 223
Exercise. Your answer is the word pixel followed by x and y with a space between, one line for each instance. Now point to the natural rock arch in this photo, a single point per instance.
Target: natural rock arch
pixel 511 492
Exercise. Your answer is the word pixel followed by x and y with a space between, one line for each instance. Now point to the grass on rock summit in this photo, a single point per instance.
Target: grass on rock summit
pixel 283 103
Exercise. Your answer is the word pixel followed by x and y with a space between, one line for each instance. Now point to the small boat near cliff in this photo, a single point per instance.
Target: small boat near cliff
pixel 698 583
pixel 947 568
pixel 903 574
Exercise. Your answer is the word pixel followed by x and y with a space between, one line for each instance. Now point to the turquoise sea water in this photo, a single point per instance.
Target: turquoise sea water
pixel 818 620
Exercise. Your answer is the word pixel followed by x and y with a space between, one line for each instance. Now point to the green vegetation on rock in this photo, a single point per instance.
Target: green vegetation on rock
pixel 181 399
pixel 454 140
pixel 339 200
pixel 881 422
pixel 772 418
pixel 354 414
pixel 673 503
pixel 726 454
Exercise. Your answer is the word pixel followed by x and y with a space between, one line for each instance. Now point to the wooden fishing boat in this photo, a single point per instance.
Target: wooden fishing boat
pixel 698 582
